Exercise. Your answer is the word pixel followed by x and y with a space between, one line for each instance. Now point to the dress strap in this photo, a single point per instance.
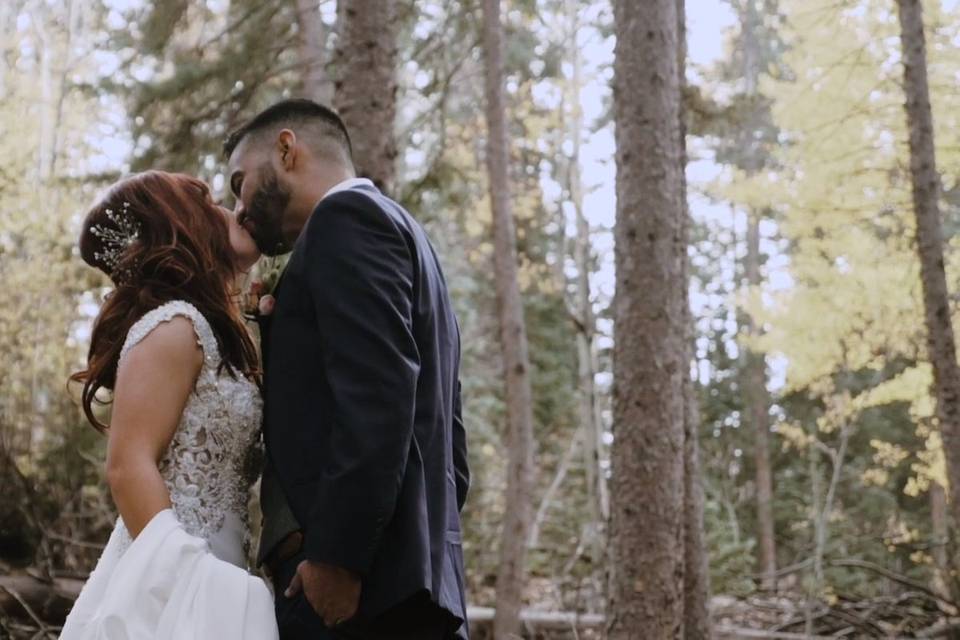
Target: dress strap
pixel 167 312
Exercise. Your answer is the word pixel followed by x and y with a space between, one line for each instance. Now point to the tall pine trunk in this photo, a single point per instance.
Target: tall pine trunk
pixel 312 47
pixel 696 570
pixel 941 345
pixel 511 576
pixel 366 85
pixel 647 484
pixel 597 495
pixel 754 373
pixel 45 150
pixel 938 519
pixel 758 403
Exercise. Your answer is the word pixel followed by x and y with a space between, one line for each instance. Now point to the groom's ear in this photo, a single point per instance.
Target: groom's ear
pixel 287 148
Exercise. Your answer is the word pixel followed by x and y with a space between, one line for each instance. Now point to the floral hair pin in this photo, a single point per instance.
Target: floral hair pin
pixel 117 239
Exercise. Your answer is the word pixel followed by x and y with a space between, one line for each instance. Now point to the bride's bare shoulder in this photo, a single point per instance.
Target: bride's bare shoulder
pixel 168 347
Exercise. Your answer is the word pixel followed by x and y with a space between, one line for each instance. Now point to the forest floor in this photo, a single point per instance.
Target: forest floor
pixel 908 614
pixel 33 609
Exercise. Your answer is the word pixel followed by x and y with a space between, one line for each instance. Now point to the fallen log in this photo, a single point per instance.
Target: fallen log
pixel 535 618
pixel 26 597
pixel 736 633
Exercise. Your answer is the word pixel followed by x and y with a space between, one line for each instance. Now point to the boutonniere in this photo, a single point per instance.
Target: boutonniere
pixel 259 299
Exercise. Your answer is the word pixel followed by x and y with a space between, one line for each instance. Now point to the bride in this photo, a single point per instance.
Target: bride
pixel 171 345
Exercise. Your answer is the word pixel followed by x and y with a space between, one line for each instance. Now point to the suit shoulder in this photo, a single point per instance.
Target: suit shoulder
pixel 351 219
pixel 349 199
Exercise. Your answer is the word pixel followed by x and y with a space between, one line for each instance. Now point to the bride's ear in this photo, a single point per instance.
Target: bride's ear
pixel 287 148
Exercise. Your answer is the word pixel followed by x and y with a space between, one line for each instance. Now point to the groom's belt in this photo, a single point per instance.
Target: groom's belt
pixel 285 549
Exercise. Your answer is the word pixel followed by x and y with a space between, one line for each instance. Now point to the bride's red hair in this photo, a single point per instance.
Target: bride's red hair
pixel 182 252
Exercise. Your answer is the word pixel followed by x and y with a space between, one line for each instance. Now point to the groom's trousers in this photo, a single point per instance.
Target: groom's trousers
pixel 298 621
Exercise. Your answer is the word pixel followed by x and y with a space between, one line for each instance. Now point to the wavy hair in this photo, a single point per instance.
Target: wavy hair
pixel 182 252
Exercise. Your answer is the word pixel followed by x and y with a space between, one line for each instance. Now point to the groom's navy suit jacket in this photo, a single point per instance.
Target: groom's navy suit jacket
pixel 362 403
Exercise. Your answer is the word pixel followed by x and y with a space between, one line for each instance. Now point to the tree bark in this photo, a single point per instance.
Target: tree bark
pixel 599 502
pixel 366 87
pixel 754 380
pixel 312 49
pixel 941 345
pixel 512 573
pixel 757 400
pixel 696 570
pixel 47 110
pixel 646 529
pixel 74 8
pixel 533 540
pixel 938 518
pixel 8 16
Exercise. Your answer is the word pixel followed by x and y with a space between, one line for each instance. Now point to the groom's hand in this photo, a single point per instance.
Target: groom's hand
pixel 333 592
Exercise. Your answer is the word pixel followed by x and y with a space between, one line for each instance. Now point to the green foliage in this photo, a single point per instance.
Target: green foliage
pixel 821 150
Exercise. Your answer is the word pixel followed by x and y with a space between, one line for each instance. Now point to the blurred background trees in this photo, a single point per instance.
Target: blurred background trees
pixel 822 465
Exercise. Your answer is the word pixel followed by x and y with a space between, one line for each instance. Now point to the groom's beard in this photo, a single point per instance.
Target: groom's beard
pixel 266 213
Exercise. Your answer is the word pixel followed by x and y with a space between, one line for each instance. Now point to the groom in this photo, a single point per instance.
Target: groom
pixel 367 471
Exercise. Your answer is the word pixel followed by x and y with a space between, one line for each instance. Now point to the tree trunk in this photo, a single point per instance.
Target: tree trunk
pixel 757 400
pixel 941 346
pixel 533 540
pixel 47 109
pixel 754 373
pixel 511 577
pixel 597 497
pixel 8 15
pixel 366 86
pixel 811 586
pixel 74 8
pixel 823 518
pixel 696 570
pixel 938 517
pixel 312 48
pixel 646 528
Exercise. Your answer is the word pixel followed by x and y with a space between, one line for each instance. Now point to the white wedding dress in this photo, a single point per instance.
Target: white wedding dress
pixel 184 577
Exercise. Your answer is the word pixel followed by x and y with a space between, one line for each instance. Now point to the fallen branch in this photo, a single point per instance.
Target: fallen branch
pixel 45 630
pixel 29 597
pixel 736 633
pixel 940 629
pixel 541 619
pixel 895 577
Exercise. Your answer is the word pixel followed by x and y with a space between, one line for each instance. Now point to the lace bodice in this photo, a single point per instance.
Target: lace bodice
pixel 214 456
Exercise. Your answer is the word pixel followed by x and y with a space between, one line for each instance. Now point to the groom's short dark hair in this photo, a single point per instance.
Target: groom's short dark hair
pixel 318 125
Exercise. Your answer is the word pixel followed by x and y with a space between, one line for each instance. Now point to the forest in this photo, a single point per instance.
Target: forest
pixel 706 296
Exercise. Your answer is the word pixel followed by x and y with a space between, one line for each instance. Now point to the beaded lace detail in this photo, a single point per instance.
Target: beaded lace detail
pixel 213 458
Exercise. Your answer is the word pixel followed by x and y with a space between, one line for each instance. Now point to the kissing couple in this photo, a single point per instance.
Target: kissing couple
pixel 355 390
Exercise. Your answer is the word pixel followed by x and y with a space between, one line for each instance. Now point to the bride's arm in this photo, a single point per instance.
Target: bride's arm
pixel 154 382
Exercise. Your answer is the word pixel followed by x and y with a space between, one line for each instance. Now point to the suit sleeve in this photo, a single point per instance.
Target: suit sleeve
pixel 360 276
pixel 461 469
